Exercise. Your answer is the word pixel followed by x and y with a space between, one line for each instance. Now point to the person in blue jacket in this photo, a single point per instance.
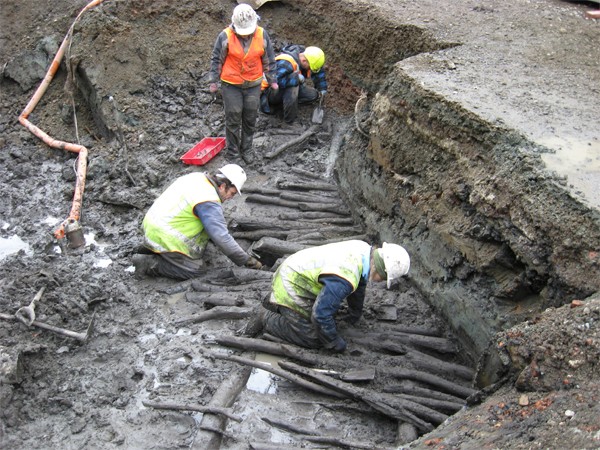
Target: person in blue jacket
pixel 310 286
pixel 296 65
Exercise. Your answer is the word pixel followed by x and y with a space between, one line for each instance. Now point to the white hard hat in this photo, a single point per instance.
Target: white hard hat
pixel 235 174
pixel 244 19
pixel 396 260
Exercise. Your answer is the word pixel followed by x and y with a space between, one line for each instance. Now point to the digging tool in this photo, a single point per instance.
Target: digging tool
pixel 26 314
pixel 83 337
pixel 317 116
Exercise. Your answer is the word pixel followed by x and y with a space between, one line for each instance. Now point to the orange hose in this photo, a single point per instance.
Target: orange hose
pixel 75 213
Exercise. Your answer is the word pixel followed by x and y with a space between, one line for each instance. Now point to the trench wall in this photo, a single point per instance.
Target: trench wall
pixel 494 239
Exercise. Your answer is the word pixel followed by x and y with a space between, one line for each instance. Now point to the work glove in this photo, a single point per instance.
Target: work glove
pixel 213 88
pixel 275 86
pixel 323 94
pixel 338 345
pixel 254 263
pixel 301 78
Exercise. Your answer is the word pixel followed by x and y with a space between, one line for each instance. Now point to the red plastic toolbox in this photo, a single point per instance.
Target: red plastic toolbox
pixel 204 151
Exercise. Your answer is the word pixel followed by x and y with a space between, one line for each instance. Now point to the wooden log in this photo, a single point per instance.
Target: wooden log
pixel 259 234
pixel 288 427
pixel 261 190
pixel 417 359
pixel 326 232
pixel 217 313
pixel 359 237
pixel 244 275
pixel 306 186
pixel 384 346
pixel 306 173
pixel 272 348
pixel 254 287
pixel 437 365
pixel 427 378
pixel 276 247
pixel 438 405
pixel 410 388
pixel 176 289
pixel 328 207
pixel 257 225
pixel 307 215
pixel 349 221
pixel 279 372
pixel 224 397
pixel 266 200
pixel 441 345
pixel 425 331
pixel 387 405
pixel 215 299
pixel 310 198
pixel 199 408
pixel 304 136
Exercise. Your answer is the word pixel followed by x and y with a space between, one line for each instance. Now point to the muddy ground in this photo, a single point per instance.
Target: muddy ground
pixel 151 58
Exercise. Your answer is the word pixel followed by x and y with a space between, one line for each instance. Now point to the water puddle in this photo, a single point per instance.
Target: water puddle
pixel 577 160
pixel 13 244
pixel 260 380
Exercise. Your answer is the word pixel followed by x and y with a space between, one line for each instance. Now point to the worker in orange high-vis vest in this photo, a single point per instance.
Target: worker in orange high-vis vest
pixel 241 54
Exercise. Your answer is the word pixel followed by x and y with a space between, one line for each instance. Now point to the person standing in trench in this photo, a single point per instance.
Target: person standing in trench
pixel 241 56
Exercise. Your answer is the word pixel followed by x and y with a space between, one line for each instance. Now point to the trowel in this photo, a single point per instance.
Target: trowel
pixel 317 116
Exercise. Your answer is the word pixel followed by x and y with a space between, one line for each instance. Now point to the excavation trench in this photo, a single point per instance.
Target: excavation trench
pixel 393 161
pixel 416 168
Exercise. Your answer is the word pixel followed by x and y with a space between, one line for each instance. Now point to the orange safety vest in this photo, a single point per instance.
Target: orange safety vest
pixel 240 67
pixel 289 58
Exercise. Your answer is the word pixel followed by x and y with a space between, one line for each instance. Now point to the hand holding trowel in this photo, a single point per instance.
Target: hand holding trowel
pixel 318 113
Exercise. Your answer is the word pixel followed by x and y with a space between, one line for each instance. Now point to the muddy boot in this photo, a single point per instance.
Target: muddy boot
pixel 248 157
pixel 145 266
pixel 256 322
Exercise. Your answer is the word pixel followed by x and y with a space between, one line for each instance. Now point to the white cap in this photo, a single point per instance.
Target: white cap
pixel 396 260
pixel 235 174
pixel 244 19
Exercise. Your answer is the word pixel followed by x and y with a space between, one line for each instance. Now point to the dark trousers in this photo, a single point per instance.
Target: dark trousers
pixel 291 327
pixel 175 265
pixel 241 111
pixel 290 98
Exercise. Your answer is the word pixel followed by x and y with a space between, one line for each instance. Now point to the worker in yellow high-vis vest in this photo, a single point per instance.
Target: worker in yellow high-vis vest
pixel 182 220
pixel 310 286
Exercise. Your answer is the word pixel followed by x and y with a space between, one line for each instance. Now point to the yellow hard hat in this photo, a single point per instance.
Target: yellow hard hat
pixel 315 58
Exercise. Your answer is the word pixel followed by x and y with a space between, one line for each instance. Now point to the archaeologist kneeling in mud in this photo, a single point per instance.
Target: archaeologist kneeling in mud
pixel 181 221
pixel 309 287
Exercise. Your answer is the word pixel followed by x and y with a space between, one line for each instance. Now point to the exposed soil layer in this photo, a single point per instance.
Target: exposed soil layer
pixel 463 132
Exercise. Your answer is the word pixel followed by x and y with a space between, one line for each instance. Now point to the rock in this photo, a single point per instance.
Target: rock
pixel 29 67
